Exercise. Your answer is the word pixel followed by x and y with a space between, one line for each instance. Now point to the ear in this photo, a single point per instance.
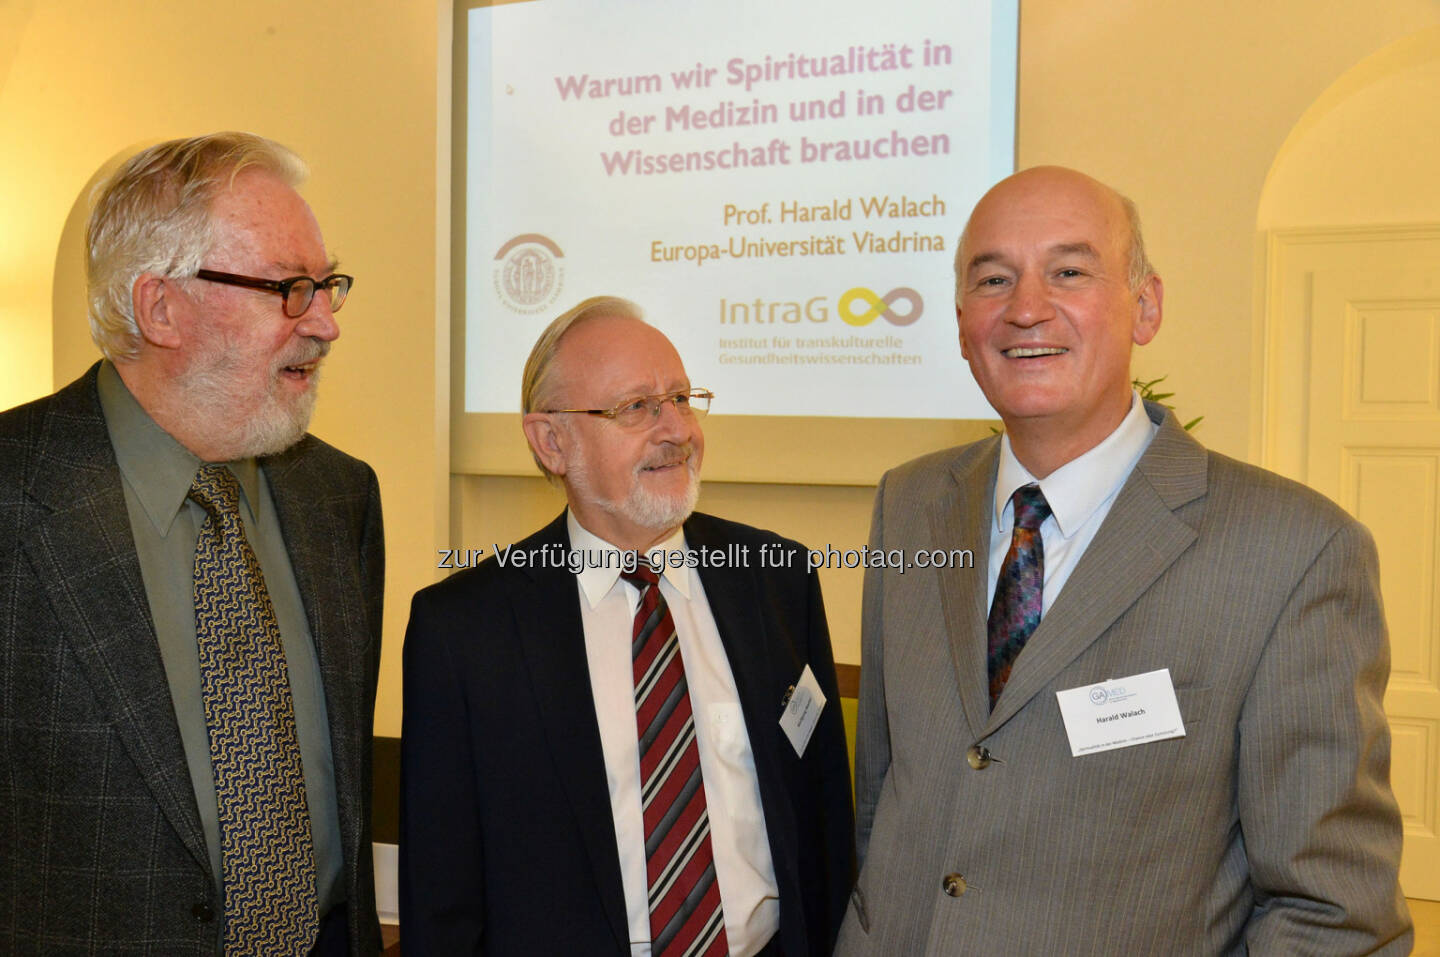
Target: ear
pixel 960 331
pixel 1148 310
pixel 157 306
pixel 546 440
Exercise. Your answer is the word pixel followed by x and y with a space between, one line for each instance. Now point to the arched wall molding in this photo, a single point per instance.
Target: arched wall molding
pixel 1357 167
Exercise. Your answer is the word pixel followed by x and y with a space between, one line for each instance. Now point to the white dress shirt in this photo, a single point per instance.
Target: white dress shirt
pixel 743 867
pixel 1080 494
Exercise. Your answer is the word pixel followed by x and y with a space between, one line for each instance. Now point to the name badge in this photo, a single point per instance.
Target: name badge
pixel 803 704
pixel 1121 713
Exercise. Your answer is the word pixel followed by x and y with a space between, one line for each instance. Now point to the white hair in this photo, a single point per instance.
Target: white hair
pixel 153 215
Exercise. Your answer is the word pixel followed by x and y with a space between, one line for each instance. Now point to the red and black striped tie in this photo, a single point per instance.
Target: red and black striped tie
pixel 685 914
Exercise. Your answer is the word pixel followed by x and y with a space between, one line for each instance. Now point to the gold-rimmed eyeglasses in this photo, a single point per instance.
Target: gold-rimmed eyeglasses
pixel 641 411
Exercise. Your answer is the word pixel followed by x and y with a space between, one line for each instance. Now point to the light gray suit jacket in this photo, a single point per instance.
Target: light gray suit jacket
pixel 101 847
pixel 1269 827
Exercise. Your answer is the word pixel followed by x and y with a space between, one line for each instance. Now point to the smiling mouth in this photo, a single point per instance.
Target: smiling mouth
pixel 302 370
pixel 1023 352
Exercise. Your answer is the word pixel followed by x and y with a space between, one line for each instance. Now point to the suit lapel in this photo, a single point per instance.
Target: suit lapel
pixel 963 515
pixel 552 640
pixel 84 557
pixel 1140 538
pixel 759 666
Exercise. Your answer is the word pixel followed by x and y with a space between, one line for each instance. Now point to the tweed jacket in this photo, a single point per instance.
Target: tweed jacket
pixel 101 847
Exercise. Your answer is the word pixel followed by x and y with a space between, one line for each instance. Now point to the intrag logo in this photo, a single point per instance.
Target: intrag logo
pixel 877 306
pixel 817 309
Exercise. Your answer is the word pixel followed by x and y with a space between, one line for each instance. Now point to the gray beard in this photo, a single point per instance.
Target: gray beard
pixel 657 512
pixel 211 395
pixel 641 506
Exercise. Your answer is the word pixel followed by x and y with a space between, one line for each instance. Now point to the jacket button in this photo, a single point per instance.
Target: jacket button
pixel 978 757
pixel 203 912
pixel 954 884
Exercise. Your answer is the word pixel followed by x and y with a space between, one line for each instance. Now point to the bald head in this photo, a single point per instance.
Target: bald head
pixel 1049 308
pixel 1040 185
pixel 540 378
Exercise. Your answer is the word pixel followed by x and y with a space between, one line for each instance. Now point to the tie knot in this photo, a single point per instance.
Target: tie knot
pixel 642 577
pixel 216 490
pixel 1031 509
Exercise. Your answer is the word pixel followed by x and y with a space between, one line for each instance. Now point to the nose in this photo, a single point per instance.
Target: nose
pixel 673 425
pixel 318 322
pixel 1030 304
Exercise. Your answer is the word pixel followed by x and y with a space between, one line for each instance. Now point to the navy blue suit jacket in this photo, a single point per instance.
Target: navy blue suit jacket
pixel 507 839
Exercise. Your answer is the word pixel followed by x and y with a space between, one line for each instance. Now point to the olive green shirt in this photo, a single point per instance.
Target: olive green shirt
pixel 157 472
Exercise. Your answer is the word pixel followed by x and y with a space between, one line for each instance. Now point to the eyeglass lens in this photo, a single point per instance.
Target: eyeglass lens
pixel 302 292
pixel 644 410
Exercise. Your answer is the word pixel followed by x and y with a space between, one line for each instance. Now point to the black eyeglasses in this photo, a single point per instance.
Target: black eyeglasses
pixel 641 411
pixel 298 291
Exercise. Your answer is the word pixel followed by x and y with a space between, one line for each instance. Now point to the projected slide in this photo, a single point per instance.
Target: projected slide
pixel 779 184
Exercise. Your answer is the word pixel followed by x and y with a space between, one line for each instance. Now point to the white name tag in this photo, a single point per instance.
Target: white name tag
pixel 804 703
pixel 1121 712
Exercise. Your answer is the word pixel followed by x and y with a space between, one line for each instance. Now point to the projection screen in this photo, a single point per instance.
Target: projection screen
pixel 779 184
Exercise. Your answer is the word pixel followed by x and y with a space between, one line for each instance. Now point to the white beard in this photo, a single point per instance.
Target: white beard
pixel 641 507
pixel 213 391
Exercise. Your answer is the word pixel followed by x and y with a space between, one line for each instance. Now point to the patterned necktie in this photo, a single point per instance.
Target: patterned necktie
pixel 267 859
pixel 685 914
pixel 1020 589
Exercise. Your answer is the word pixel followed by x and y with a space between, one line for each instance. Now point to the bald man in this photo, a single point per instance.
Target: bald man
pixel 607 758
pixel 1148 719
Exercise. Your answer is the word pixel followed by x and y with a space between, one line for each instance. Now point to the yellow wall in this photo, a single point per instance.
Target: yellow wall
pixel 1184 105
pixel 1367 151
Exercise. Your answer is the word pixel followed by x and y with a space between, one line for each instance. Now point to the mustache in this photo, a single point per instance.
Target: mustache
pixel 670 455
pixel 312 350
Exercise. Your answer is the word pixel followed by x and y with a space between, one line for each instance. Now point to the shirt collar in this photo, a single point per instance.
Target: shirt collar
pixel 598 577
pixel 1079 487
pixel 159 469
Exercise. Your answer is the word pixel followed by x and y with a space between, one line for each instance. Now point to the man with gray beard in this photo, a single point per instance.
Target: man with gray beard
pixel 615 755
pixel 190 590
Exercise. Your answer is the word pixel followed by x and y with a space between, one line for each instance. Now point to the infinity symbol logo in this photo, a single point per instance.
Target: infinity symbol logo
pixel 877 307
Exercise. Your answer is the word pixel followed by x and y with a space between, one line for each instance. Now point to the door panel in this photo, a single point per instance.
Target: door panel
pixel 1358 419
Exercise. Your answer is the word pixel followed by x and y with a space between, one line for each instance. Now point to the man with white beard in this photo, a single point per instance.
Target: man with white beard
pixel 190 590
pixel 605 757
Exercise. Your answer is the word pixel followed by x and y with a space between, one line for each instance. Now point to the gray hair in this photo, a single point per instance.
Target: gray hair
pixel 153 215
pixel 539 384
pixel 1139 267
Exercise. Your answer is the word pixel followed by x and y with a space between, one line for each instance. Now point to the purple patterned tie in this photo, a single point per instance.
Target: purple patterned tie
pixel 1019 589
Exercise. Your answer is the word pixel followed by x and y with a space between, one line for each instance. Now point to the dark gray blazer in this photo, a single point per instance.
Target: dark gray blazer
pixel 101 848
pixel 1268 828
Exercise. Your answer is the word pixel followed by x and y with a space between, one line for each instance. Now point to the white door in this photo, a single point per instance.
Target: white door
pixel 1362 409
